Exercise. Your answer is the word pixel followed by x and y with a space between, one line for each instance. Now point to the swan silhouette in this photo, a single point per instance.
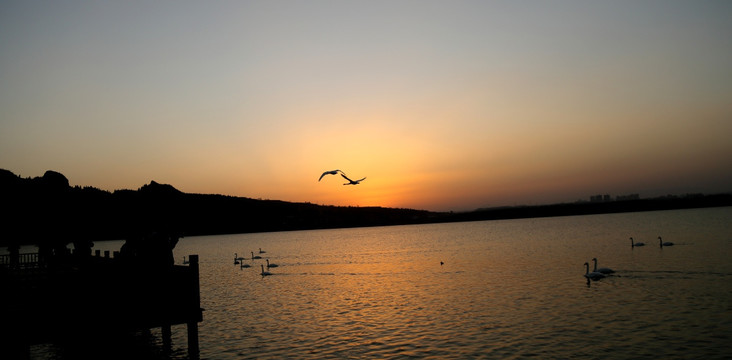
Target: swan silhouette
pixel 271 265
pixel 255 257
pixel 662 244
pixel 632 245
pixel 237 259
pixel 332 172
pixel 592 275
pixel 261 251
pixel 602 270
pixel 244 265
pixel 265 273
pixel 351 182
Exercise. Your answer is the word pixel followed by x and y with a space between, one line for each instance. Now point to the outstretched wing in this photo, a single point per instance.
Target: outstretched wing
pixel 358 181
pixel 345 177
pixel 332 172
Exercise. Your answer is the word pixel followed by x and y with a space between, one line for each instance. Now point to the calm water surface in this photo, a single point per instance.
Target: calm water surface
pixel 507 289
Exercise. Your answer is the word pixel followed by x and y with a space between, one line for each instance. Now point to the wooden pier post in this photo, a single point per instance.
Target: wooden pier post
pixel 167 335
pixel 193 350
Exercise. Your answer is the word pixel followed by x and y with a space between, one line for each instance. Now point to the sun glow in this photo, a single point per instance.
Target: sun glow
pixel 444 107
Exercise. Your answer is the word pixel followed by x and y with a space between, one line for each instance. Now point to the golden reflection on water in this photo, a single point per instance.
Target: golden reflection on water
pixel 507 289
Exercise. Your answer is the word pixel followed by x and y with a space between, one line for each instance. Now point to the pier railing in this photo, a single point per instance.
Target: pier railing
pixel 47 300
pixel 24 260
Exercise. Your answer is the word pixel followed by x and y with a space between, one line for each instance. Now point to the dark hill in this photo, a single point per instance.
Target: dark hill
pixel 48 209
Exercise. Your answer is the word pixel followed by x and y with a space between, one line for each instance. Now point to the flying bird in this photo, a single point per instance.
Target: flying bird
pixel 332 172
pixel 351 182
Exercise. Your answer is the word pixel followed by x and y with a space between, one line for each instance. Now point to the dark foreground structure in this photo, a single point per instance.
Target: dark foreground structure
pixel 78 298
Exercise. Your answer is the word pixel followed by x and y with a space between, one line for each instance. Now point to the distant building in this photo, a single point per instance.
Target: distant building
pixel 603 198
pixel 627 197
pixel 600 198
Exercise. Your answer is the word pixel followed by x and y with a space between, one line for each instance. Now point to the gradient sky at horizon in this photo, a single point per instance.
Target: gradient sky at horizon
pixel 442 105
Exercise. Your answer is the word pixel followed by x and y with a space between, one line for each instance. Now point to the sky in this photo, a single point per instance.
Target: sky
pixel 441 105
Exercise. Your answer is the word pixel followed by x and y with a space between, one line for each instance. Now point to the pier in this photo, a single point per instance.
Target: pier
pixel 73 297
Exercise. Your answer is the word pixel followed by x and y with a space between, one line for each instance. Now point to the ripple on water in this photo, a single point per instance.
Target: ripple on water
pixel 507 289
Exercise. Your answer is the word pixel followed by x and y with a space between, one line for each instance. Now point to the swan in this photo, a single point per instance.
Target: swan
pixel 334 172
pixel 632 245
pixel 662 244
pixel 602 270
pixel 592 275
pixel 271 265
pixel 244 265
pixel 261 251
pixel 237 259
pixel 255 257
pixel 351 182
pixel 265 273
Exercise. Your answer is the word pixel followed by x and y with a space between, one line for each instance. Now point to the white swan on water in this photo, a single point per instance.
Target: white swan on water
pixel 662 243
pixel 592 275
pixel 632 245
pixel 602 270
pixel 265 273
pixel 271 265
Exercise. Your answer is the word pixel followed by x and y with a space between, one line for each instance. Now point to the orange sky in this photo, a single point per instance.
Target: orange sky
pixel 441 105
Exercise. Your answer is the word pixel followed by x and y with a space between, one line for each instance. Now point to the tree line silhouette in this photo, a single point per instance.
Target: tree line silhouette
pixel 47 210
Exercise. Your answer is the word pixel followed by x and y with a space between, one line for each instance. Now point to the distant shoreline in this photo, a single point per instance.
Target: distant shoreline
pixel 593 208
pixel 48 210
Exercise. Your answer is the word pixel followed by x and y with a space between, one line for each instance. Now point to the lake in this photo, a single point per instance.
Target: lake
pixel 509 289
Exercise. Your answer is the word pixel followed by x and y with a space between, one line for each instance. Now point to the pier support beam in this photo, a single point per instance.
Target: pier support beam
pixel 193 350
pixel 167 335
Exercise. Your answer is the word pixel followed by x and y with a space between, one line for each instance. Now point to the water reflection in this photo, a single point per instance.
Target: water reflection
pixel 500 289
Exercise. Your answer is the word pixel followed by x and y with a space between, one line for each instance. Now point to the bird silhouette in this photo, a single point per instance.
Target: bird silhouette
pixel 632 244
pixel 592 275
pixel 602 270
pixel 662 243
pixel 332 172
pixel 351 182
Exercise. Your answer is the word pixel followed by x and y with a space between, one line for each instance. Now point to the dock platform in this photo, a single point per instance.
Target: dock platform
pixel 97 295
